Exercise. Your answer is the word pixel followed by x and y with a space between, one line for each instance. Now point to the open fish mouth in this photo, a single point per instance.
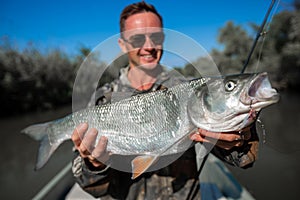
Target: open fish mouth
pixel 260 90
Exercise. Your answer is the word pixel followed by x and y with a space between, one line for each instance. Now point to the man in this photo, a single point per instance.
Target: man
pixel 142 40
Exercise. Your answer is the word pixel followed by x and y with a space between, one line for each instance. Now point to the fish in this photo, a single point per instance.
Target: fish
pixel 151 125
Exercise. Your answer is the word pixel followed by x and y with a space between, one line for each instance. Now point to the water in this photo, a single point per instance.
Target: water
pixel 18 179
pixel 276 173
pixel 274 176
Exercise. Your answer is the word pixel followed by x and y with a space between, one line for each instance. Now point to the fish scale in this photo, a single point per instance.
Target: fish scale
pixel 150 125
pixel 145 114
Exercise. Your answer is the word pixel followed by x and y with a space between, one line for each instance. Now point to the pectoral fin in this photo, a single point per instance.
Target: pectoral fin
pixel 141 163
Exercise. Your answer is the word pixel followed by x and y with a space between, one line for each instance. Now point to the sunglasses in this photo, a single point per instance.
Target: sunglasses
pixel 138 40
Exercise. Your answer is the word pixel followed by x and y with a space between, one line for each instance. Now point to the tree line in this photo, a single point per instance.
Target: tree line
pixel 31 80
pixel 34 81
pixel 277 50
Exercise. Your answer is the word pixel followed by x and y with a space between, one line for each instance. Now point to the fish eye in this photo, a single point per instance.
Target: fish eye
pixel 229 86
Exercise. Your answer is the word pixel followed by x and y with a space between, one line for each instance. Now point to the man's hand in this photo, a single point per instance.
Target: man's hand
pixel 226 140
pixel 85 142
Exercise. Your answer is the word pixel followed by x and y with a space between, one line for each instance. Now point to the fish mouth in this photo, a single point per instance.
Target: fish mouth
pixel 261 91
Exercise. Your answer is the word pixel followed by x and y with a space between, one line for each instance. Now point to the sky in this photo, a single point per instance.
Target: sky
pixel 71 24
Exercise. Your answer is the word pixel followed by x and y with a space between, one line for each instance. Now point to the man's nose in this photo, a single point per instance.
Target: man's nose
pixel 148 43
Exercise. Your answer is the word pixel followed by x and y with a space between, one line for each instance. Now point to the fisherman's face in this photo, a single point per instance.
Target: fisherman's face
pixel 142 40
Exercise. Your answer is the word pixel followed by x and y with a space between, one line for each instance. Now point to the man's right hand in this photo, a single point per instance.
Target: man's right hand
pixel 87 146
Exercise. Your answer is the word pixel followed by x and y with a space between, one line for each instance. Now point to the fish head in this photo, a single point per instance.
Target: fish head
pixel 258 93
pixel 230 103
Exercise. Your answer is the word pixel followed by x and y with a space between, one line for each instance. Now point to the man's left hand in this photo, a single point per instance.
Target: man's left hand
pixel 225 140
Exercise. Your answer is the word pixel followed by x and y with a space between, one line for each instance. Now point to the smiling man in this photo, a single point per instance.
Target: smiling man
pixel 142 40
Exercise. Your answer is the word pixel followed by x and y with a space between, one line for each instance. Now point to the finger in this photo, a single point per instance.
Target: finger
pixel 100 152
pixel 78 134
pixel 228 136
pixel 229 145
pixel 88 142
pixel 100 147
pixel 95 162
pixel 198 138
pixel 223 144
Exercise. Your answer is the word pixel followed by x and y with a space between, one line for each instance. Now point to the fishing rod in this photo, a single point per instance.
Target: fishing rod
pixel 193 191
pixel 259 33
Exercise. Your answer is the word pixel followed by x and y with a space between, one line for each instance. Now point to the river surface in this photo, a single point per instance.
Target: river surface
pixel 18 178
pixel 275 175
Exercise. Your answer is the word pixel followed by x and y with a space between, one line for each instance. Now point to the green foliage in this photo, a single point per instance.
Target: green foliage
pixel 203 66
pixel 236 43
pixel 277 51
pixel 281 52
pixel 30 80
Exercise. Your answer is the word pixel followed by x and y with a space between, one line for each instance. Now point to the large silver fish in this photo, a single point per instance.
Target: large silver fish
pixel 148 126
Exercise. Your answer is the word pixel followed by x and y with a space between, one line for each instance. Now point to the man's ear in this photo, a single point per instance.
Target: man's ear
pixel 122 45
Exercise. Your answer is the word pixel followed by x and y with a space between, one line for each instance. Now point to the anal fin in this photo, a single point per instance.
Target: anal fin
pixel 141 163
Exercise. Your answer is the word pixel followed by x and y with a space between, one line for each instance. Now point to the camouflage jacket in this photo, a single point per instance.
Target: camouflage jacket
pixel 171 182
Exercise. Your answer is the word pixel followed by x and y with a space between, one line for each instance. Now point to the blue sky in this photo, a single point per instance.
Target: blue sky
pixel 68 25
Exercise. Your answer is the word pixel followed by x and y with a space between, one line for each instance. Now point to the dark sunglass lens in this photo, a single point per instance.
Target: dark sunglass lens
pixel 157 38
pixel 137 40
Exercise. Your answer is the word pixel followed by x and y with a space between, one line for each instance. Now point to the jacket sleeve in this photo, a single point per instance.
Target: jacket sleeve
pixel 92 181
pixel 108 182
pixel 243 156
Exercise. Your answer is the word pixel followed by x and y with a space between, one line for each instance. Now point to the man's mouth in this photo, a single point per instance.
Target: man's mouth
pixel 148 57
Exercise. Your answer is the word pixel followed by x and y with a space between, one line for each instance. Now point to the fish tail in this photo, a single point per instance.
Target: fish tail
pixel 39 132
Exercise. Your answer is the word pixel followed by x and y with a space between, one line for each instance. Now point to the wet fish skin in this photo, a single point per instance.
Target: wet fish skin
pixel 230 108
pixel 158 123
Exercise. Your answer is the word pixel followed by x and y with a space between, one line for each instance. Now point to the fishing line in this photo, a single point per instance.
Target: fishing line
pixel 264 34
pixel 260 52
pixel 193 192
pixel 258 36
pixel 262 126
